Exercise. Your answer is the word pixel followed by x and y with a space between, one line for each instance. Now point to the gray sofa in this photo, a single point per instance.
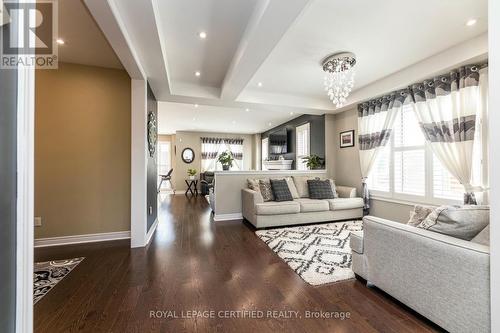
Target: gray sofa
pixel 302 210
pixel 443 278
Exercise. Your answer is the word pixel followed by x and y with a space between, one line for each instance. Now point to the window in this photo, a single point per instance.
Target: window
pixel 264 152
pixel 164 161
pixel 303 138
pixel 407 169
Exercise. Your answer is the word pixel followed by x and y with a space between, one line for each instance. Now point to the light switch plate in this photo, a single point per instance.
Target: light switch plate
pixel 38 221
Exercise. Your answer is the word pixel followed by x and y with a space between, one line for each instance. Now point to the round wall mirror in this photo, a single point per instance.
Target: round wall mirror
pixel 187 155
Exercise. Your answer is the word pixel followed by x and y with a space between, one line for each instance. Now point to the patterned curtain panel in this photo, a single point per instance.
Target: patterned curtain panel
pixel 447 107
pixel 212 147
pixel 209 151
pixel 375 121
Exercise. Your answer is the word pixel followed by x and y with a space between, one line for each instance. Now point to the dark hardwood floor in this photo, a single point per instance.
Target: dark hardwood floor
pixel 194 263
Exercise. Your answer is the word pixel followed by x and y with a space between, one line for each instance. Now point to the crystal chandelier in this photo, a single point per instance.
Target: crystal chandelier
pixel 339 76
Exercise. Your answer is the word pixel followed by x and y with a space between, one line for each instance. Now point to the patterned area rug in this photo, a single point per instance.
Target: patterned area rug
pixel 319 253
pixel 48 274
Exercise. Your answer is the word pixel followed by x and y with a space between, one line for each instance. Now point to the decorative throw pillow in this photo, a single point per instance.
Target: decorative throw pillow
pixel 292 188
pixel 253 184
pixel 320 189
pixel 301 185
pixel 334 188
pixel 266 190
pixel 483 237
pixel 280 190
pixel 463 222
pixel 419 214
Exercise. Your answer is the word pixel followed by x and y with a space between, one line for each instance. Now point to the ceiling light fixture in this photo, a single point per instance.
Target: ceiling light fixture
pixel 471 22
pixel 270 124
pixel 197 73
pixel 202 34
pixel 259 84
pixel 339 78
pixel 60 41
pixel 196 105
pixel 291 113
pixel 247 109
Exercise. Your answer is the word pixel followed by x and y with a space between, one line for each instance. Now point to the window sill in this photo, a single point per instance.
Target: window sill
pixel 379 197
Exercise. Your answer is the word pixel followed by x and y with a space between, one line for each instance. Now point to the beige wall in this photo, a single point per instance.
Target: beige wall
pixel 82 150
pixel 185 139
pixel 346 169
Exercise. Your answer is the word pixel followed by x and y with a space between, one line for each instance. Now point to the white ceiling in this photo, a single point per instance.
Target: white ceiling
pixel 280 43
pixel 187 117
pixel 85 44
pixel 386 36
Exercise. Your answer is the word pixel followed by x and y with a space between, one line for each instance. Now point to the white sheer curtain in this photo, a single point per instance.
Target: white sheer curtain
pixel 235 146
pixel 375 122
pixel 209 152
pixel 448 108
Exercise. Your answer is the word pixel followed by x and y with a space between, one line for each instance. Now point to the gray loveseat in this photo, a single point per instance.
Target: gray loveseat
pixel 443 278
pixel 301 210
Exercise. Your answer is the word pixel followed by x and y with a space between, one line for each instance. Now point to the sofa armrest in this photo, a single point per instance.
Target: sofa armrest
pixel 249 198
pixel 346 191
pixel 443 278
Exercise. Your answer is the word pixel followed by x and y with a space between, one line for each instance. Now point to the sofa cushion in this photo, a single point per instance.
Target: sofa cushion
pixel 292 187
pixel 253 184
pixel 463 222
pixel 280 190
pixel 301 185
pixel 356 241
pixel 345 203
pixel 483 237
pixel 312 205
pixel 276 208
pixel 419 214
pixel 334 188
pixel 320 189
pixel 266 190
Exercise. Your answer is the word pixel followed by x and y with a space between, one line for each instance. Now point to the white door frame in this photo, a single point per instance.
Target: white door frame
pixel 25 198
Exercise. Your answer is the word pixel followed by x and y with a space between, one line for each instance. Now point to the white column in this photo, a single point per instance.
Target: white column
pixel 494 125
pixel 138 209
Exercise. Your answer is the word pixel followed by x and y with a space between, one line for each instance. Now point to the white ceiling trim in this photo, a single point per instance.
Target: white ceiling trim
pixel 269 22
pixel 110 22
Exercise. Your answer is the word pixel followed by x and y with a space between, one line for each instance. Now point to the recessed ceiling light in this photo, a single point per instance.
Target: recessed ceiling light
pixel 194 119
pixel 196 105
pixel 259 84
pixel 197 73
pixel 60 41
pixel 270 124
pixel 471 22
pixel 291 113
pixel 247 109
pixel 202 34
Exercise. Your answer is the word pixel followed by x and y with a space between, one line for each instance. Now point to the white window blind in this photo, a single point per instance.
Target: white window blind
pixel 445 186
pixel 302 134
pixel 406 168
pixel 409 154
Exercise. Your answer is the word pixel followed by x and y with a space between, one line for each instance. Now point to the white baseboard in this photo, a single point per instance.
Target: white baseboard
pixel 79 239
pixel 227 217
pixel 151 231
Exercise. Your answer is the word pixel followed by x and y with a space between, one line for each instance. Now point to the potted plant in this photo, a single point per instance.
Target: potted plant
pixel 192 173
pixel 226 159
pixel 313 162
